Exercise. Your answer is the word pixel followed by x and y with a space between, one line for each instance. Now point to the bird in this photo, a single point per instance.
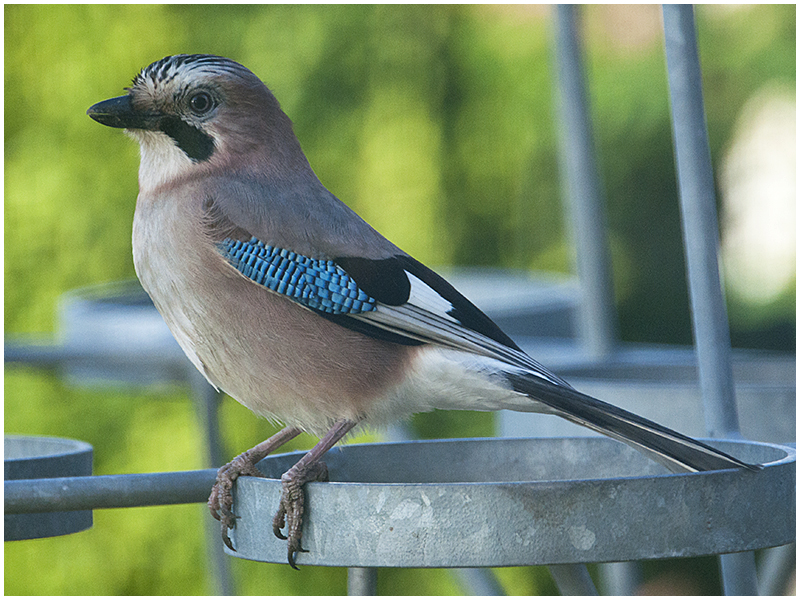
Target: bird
pixel 292 304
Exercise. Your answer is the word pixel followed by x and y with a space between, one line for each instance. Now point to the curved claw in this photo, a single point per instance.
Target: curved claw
pixel 220 502
pixel 225 539
pixel 279 521
pixel 292 505
pixel 293 553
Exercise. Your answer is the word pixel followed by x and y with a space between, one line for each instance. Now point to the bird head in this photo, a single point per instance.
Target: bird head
pixel 193 112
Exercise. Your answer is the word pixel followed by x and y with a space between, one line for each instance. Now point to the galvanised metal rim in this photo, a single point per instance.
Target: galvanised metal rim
pixel 22 450
pixel 35 457
pixel 526 501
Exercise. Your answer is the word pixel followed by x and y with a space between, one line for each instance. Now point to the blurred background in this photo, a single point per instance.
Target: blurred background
pixel 436 124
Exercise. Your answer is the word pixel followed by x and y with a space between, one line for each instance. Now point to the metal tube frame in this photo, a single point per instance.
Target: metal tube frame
pixel 701 244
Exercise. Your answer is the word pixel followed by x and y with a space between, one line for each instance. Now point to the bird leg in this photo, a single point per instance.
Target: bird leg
pixel 220 502
pixel 308 468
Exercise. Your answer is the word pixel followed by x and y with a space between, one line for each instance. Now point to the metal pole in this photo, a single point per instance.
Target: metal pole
pixel 699 216
pixel 739 574
pixel 700 232
pixel 775 570
pixel 620 578
pixel 362 581
pixel 584 197
pixel 583 190
pixel 206 401
pixel 479 582
pixel 23 496
pixel 573 580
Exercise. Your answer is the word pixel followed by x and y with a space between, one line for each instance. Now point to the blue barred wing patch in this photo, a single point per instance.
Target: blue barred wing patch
pixel 319 284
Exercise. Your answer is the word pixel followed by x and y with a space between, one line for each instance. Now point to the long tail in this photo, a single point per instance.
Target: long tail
pixel 672 449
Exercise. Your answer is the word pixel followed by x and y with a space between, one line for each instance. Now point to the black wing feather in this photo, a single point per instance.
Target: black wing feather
pixel 464 311
pixel 669 447
pixel 384 279
pixel 387 281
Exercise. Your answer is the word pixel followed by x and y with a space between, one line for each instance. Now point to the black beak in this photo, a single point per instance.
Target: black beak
pixel 119 112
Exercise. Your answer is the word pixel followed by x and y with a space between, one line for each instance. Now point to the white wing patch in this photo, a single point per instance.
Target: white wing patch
pixel 428 317
pixel 426 298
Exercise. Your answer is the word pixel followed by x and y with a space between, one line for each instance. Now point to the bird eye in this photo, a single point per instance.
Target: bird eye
pixel 201 103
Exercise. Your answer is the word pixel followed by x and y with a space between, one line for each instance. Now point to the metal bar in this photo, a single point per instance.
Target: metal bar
pixel 219 563
pixel 584 196
pixel 699 216
pixel 49 355
pixel 583 190
pixel 479 582
pixel 620 578
pixel 42 352
pixel 206 402
pixel 23 496
pixel 776 569
pixel 739 574
pixel 362 581
pixel 573 580
pixel 701 243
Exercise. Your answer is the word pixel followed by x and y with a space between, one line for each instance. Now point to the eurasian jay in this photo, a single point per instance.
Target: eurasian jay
pixel 287 300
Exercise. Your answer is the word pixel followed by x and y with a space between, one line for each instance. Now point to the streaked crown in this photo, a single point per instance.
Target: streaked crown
pixel 168 68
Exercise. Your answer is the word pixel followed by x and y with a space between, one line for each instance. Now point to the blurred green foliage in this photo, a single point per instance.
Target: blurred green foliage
pixel 435 123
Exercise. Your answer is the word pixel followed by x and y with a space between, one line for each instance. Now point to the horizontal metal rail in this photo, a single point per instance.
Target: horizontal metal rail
pixel 50 354
pixel 57 494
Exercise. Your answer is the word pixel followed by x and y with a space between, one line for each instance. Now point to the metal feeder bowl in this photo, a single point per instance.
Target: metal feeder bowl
pixel 31 457
pixel 504 502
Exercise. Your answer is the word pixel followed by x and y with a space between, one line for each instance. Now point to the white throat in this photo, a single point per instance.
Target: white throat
pixel 162 161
